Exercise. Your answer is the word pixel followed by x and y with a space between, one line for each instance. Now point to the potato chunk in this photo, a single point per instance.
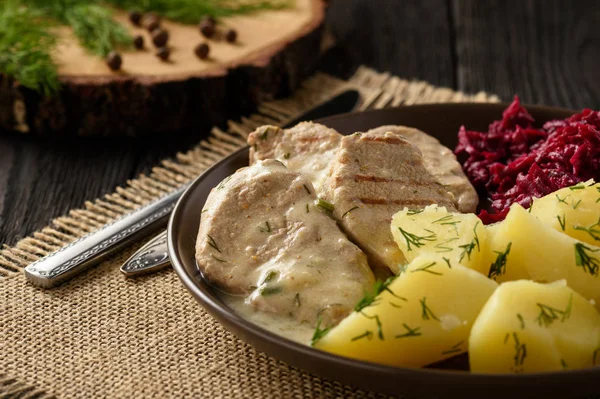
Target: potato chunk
pixel 423 316
pixel 526 248
pixel 531 327
pixel 572 210
pixel 458 237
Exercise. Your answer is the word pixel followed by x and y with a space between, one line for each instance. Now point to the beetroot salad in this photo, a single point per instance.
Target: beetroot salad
pixel 516 162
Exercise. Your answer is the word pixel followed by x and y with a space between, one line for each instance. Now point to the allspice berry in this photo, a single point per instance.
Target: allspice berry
pixel 151 21
pixel 138 42
pixel 160 37
pixel 114 60
pixel 207 28
pixel 231 36
pixel 202 50
pixel 135 17
pixel 163 53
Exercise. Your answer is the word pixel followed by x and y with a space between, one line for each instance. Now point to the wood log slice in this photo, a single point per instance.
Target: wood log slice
pixel 274 51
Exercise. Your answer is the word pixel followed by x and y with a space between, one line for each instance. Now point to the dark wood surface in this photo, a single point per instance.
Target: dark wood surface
pixel 546 51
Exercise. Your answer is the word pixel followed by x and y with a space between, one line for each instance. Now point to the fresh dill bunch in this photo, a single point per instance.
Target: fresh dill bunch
pixel 93 25
pixel 190 11
pixel 91 21
pixel 25 48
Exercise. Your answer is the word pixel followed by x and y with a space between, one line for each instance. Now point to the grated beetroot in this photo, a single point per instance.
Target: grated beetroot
pixel 515 162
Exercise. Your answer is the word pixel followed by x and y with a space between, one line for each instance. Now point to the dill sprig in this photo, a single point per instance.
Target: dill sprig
pixel 190 11
pixel 25 48
pixel 584 258
pixel 380 286
pixel 319 332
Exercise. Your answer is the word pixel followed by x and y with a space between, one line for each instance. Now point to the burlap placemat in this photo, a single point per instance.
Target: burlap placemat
pixel 103 335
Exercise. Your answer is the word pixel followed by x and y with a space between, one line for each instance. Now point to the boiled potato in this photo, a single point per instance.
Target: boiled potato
pixel 421 317
pixel 572 210
pixel 526 248
pixel 458 237
pixel 532 327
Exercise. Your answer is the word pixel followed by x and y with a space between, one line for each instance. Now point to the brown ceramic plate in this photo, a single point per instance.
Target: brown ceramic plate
pixel 441 121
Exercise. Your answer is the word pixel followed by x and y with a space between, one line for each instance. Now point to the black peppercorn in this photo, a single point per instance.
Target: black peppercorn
pixel 138 42
pixel 135 17
pixel 114 60
pixel 231 36
pixel 207 28
pixel 202 51
pixel 163 53
pixel 160 37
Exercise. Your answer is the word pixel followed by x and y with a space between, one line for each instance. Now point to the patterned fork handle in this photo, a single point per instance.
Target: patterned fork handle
pixel 152 257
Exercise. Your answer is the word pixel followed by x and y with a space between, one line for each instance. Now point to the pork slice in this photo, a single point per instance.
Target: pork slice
pixel 440 162
pixel 307 148
pixel 373 176
pixel 262 236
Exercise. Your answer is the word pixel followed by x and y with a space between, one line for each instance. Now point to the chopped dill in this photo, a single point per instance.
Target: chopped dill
pixel 319 333
pixel 426 269
pixel 327 206
pixel 307 210
pixel 212 243
pixel 348 211
pixel 267 291
pixel 575 204
pixel 378 322
pixel 411 212
pixel 447 262
pixel 378 288
pixel 521 320
pixel 442 220
pixel 593 230
pixel 563 200
pixel 417 241
pixel 297 300
pixel 266 229
pixel 426 312
pixel 286 156
pixel 442 247
pixel 269 277
pixel 588 262
pixel 410 332
pixel 224 182
pixel 498 268
pixel 578 186
pixel 454 349
pixel 468 248
pixel 520 351
pixel 367 334
pixel 549 314
pixel 563 364
pixel 218 259
pixel 562 221
pixel 306 188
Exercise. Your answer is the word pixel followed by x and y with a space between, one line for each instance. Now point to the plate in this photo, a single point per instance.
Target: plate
pixel 443 122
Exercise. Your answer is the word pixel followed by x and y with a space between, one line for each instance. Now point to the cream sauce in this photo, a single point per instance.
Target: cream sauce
pixel 283 326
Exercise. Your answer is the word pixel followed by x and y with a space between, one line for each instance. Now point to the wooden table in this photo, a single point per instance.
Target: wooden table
pixel 546 51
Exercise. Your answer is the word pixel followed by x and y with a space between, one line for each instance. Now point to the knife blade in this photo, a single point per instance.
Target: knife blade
pixel 92 248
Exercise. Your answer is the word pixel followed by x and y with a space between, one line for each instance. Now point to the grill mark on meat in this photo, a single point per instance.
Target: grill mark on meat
pixel 379 179
pixel 385 201
pixel 385 139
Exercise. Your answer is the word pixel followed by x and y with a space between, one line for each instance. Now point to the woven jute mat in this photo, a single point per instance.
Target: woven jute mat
pixel 103 335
